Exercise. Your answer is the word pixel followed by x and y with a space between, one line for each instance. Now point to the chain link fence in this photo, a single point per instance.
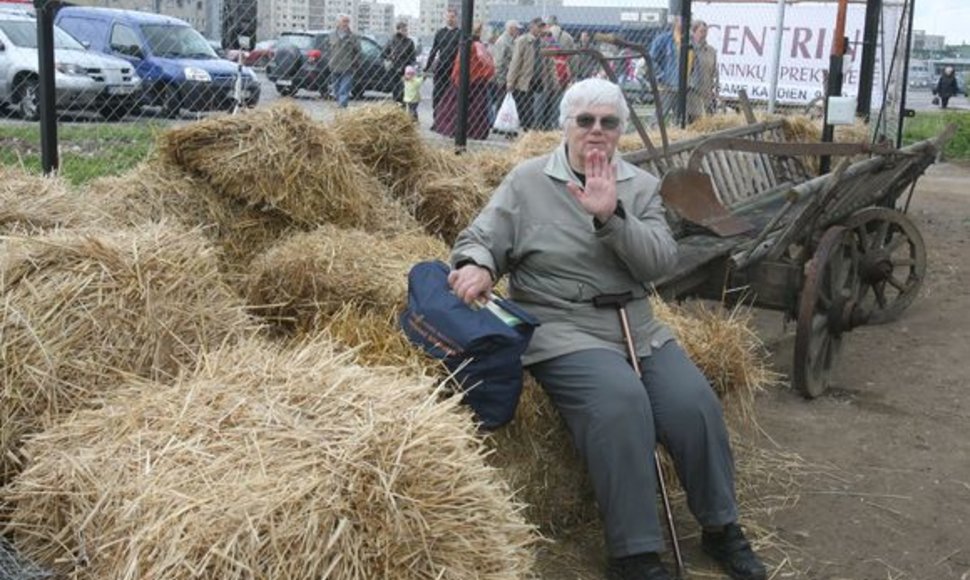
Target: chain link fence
pixel 117 68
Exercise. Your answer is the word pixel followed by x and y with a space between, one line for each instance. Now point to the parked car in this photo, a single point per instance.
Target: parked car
pixel 301 59
pixel 177 65
pixel 82 79
pixel 261 54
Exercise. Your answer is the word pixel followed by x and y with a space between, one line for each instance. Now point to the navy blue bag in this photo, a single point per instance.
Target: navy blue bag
pixel 446 328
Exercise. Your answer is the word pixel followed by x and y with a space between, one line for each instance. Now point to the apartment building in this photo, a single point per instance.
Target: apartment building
pixel 195 12
pixel 376 18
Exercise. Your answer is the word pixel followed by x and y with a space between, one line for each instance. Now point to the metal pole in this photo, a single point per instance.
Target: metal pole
pixel 684 56
pixel 46 95
pixel 836 62
pixel 464 59
pixel 776 55
pixel 867 68
pixel 903 111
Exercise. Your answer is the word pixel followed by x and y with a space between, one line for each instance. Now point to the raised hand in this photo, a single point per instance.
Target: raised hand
pixel 599 196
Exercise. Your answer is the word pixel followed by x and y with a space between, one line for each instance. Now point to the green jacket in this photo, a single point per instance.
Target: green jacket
pixel 535 231
pixel 344 52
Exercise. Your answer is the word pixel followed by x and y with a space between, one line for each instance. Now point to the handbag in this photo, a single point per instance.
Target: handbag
pixel 482 347
pixel 507 116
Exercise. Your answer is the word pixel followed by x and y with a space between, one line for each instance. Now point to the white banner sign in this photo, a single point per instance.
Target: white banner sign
pixel 743 34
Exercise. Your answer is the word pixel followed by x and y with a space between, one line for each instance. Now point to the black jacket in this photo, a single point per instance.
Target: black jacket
pixel 947 86
pixel 445 47
pixel 400 51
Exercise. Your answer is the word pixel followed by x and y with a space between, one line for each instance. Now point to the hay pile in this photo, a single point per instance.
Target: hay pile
pixel 82 309
pixel 31 203
pixel 278 156
pixel 270 464
pixel 386 140
pixel 449 194
pixel 536 454
pixel 154 191
pixel 315 274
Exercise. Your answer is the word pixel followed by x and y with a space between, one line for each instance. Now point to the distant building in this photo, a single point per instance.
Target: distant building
pixel 432 15
pixel 375 18
pixel 928 42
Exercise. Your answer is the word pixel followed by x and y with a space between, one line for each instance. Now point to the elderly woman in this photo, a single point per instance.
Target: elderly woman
pixel 570 226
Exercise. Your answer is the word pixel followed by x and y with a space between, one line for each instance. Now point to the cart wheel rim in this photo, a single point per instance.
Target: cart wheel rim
pixel 894 261
pixel 830 291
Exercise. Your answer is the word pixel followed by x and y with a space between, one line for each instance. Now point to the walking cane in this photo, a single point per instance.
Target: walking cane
pixel 619 302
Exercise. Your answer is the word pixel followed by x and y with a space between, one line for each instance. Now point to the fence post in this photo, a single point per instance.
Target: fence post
pixel 464 56
pixel 867 68
pixel 45 85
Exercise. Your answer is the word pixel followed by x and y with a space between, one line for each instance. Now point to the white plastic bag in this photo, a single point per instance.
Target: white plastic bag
pixel 507 117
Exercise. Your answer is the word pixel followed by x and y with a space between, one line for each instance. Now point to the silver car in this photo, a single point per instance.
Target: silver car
pixel 83 80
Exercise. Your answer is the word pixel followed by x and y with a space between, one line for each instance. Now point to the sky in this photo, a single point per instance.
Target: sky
pixel 950 18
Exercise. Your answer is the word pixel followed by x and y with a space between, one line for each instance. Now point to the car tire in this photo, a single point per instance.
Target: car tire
pixel 357 92
pixel 28 101
pixel 171 106
pixel 285 91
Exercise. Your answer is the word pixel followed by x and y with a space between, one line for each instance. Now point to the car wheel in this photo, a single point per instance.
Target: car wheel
pixel 171 106
pixel 357 92
pixel 28 101
pixel 114 112
pixel 285 91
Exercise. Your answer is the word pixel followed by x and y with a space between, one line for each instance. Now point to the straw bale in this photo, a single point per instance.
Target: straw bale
pixel 280 157
pixel 535 143
pixel 271 464
pixel 493 164
pixel 81 309
pixel 154 191
pixel 724 345
pixel 449 195
pixel 385 139
pixel 314 274
pixel 448 205
pixel 32 203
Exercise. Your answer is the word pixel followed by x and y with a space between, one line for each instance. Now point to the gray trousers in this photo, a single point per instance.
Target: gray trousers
pixel 615 421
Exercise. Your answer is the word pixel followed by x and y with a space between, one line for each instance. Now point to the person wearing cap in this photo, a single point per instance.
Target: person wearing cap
pixel 530 74
pixel 580 223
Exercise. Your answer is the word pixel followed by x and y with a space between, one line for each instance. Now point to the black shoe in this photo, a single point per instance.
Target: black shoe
pixel 646 566
pixel 733 552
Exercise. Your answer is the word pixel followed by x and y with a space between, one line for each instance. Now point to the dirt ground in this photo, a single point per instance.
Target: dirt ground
pixel 894 427
pixel 882 487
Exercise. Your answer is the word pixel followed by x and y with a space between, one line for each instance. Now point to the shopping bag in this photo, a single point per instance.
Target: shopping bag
pixel 507 118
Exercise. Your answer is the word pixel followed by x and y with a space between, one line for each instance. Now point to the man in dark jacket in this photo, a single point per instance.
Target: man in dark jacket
pixel 442 58
pixel 344 58
pixel 399 54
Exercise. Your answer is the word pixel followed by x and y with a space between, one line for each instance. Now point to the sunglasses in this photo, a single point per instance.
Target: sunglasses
pixel 607 122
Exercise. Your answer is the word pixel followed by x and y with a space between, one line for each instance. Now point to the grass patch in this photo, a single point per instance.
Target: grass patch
pixel 85 151
pixel 927 124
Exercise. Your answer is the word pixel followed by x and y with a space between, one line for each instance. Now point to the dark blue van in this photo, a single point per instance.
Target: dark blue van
pixel 177 65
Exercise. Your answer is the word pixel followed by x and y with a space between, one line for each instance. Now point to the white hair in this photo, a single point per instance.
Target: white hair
pixel 510 24
pixel 590 93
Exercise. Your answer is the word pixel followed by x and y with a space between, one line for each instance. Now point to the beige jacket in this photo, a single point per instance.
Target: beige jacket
pixel 704 82
pixel 535 231
pixel 523 64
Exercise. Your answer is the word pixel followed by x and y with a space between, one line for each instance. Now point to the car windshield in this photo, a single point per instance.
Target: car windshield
pixel 23 33
pixel 166 40
pixel 301 41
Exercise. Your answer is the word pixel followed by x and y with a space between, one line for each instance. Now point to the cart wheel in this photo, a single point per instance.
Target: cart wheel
pixel 827 308
pixel 893 262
